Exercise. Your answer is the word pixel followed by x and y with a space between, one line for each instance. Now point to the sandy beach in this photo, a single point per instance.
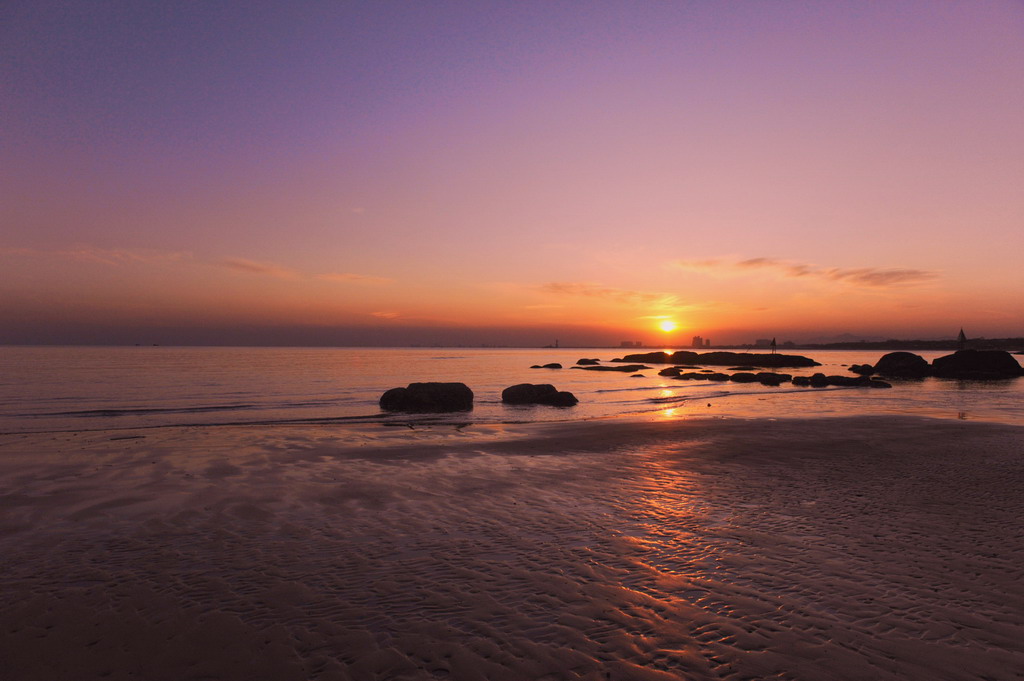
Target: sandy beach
pixel 860 548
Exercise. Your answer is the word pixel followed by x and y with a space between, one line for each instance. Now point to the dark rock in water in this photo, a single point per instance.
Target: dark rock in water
pixel 530 393
pixel 628 368
pixel 903 365
pixel 819 381
pixel 671 371
pixel 553 365
pixel 679 357
pixel 721 358
pixel 428 397
pixel 846 381
pixel 773 379
pixel 862 369
pixel 637 376
pixel 978 365
pixel 743 377
pixel 717 377
pixel 743 368
pixel 691 376
pixel 588 362
pixel 823 381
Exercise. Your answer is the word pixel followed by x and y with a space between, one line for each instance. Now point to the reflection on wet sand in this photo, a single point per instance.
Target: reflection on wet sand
pixel 878 548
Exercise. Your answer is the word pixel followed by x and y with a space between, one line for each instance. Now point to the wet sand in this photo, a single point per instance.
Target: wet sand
pixel 862 548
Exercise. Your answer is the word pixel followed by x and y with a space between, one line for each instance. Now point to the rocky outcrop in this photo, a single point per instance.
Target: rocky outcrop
pixel 552 365
pixel 903 365
pixel 721 358
pixel 822 381
pixel 702 376
pixel 530 393
pixel 428 397
pixel 978 365
pixel 588 362
pixel 630 368
pixel 862 369
pixel 773 379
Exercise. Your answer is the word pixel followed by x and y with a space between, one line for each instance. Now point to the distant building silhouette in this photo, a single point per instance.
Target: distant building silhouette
pixel 707 342
pixel 698 342
pixel 763 343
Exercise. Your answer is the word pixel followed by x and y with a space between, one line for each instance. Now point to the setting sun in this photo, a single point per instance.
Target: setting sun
pixel 667 325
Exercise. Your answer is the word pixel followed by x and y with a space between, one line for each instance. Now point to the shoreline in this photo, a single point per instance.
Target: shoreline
pixel 883 547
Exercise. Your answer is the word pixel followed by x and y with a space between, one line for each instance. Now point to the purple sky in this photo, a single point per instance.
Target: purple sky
pixel 395 172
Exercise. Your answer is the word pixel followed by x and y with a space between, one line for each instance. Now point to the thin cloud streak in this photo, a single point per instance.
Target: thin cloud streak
pixel 873 277
pixel 353 278
pixel 256 267
pixel 623 296
pixel 102 256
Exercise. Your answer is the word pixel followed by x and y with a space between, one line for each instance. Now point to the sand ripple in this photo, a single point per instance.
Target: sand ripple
pixel 883 548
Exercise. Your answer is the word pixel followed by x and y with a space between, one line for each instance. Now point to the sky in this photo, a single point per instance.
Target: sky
pixel 397 173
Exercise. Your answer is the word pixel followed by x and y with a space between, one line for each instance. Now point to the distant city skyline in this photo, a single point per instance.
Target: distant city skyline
pixel 386 173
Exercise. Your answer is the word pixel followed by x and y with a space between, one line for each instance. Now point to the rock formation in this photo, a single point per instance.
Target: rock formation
pixel 903 365
pixel 979 365
pixel 428 397
pixel 721 358
pixel 544 393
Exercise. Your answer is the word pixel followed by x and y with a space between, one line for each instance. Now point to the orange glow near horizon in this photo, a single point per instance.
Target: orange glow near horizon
pixel 426 198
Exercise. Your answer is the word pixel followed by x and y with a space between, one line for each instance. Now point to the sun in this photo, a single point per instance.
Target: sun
pixel 667 325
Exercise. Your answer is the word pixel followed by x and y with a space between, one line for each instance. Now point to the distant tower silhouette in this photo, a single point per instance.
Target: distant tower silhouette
pixel 961 340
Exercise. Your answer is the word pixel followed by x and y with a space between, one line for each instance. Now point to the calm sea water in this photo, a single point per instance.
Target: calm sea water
pixel 77 388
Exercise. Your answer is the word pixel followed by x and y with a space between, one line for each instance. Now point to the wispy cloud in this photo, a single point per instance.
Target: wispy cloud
pixel 386 314
pixel 874 277
pixel 624 296
pixel 351 277
pixel 102 256
pixel 255 267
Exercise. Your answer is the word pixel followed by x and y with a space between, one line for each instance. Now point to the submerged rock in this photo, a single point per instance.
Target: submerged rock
pixel 543 393
pixel 588 362
pixel 552 365
pixel 428 397
pixel 977 365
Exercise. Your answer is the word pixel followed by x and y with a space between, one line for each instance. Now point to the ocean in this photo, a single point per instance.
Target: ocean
pixel 46 389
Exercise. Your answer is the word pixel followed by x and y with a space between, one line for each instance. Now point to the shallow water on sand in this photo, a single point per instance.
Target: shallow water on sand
pixel 89 388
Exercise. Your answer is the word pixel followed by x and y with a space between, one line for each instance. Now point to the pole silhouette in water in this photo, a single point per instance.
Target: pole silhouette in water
pixel 773 346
